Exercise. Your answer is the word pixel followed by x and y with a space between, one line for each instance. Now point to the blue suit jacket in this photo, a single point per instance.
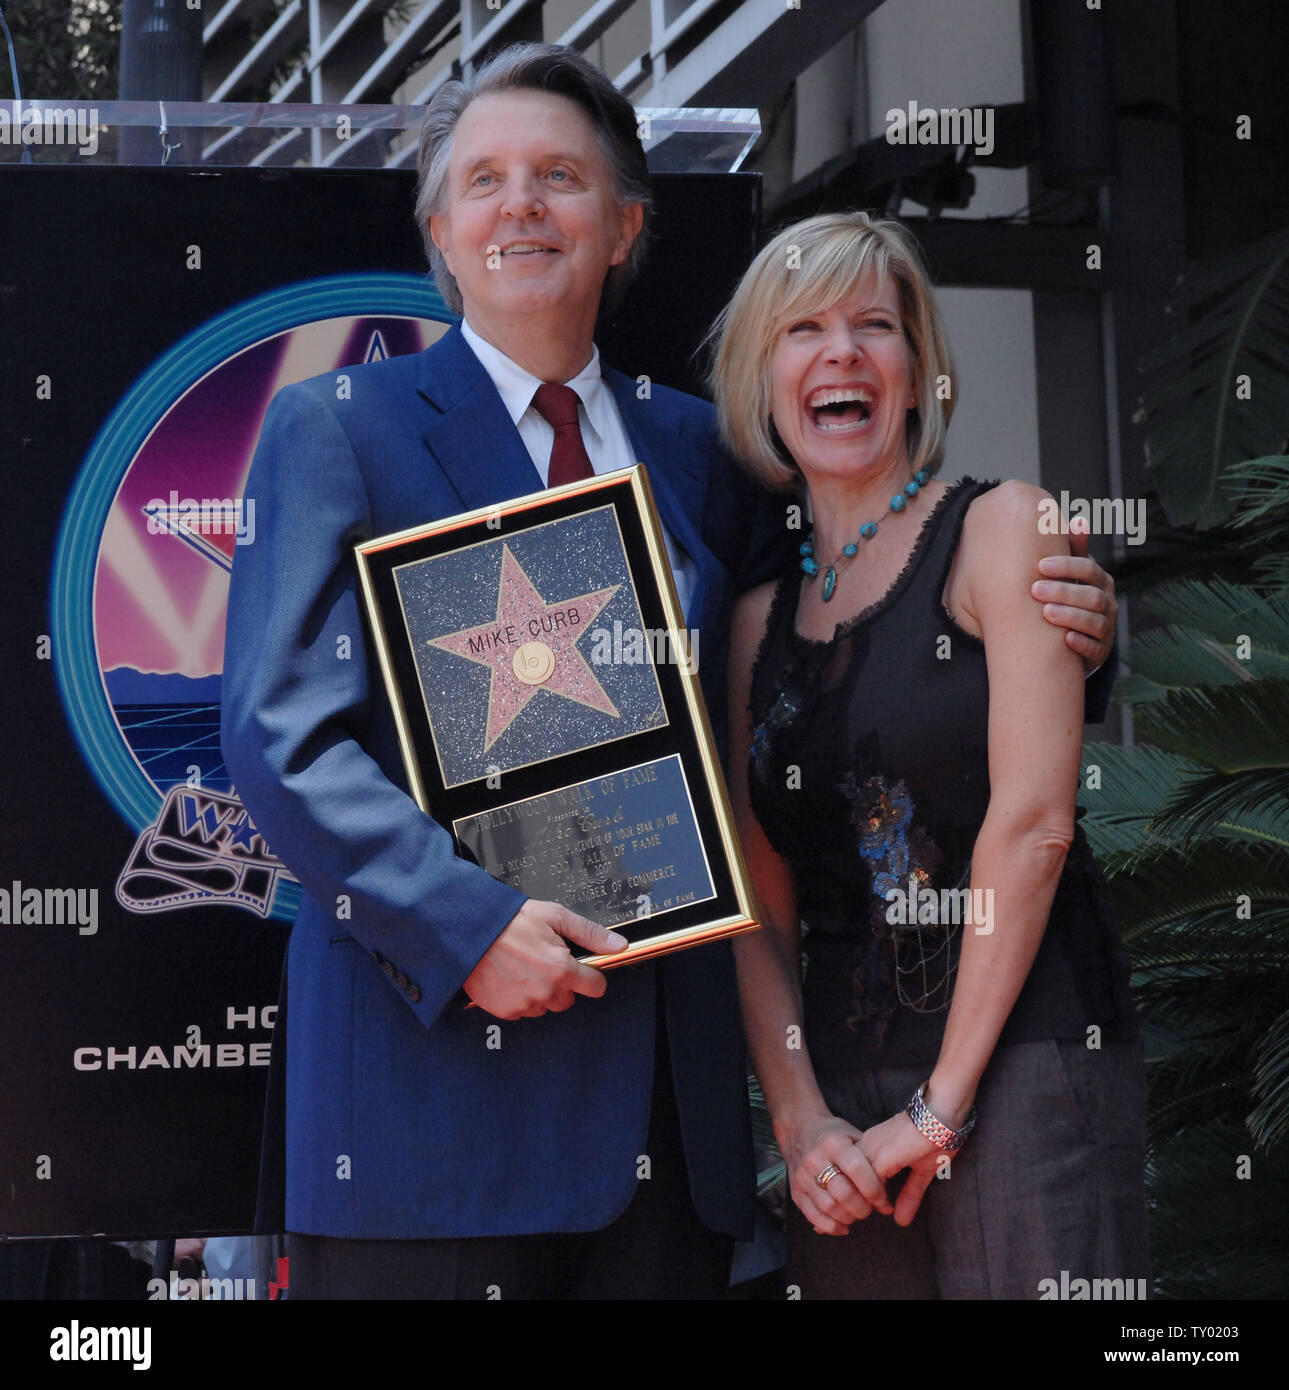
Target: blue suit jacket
pixel 406 1115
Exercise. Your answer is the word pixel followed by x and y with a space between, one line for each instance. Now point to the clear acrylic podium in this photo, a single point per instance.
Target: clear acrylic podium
pixel 266 135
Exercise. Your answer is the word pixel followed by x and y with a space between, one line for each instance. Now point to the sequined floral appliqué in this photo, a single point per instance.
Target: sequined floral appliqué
pixel 782 712
pixel 916 958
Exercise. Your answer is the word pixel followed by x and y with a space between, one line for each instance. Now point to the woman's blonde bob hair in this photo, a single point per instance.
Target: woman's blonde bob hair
pixel 807 268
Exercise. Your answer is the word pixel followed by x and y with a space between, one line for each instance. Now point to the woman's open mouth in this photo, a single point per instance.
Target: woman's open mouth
pixel 841 409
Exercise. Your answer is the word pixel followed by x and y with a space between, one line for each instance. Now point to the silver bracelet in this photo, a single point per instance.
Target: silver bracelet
pixel 939 1133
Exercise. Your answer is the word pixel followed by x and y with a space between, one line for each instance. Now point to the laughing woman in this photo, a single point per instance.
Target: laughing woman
pixel 906 734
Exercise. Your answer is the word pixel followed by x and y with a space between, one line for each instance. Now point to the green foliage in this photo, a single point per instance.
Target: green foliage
pixel 772 1171
pixel 1213 1232
pixel 1192 829
pixel 1192 826
pixel 1198 864
pixel 72 51
pixel 1223 381
pixel 1260 522
pixel 67 52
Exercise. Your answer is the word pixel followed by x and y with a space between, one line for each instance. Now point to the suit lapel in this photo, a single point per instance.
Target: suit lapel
pixel 480 452
pixel 472 438
pixel 678 479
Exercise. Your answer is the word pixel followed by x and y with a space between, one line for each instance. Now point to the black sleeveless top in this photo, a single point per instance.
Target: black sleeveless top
pixel 868 771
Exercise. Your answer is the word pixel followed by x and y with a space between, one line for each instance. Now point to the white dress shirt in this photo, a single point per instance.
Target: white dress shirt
pixel 603 432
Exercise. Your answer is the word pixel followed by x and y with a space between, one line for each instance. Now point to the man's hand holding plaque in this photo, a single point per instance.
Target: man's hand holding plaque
pixel 529 971
pixel 547 703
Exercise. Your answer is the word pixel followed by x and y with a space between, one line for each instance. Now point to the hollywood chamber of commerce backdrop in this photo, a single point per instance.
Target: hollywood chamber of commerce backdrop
pixel 149 317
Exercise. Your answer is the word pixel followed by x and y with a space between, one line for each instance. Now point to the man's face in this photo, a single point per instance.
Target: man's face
pixel 532 225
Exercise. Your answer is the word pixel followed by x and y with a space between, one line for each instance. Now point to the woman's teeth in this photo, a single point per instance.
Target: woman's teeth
pixel 841 416
pixel 840 408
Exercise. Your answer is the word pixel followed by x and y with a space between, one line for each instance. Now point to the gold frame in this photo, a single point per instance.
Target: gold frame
pixel 733 924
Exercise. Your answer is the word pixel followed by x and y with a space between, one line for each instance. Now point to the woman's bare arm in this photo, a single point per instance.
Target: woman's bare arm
pixel 769 974
pixel 1035 743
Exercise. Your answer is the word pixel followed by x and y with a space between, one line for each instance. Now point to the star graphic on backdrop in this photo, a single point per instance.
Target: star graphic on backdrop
pixel 523 655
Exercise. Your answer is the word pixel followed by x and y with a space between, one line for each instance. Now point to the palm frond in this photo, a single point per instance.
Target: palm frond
pixel 1175 658
pixel 1218 611
pixel 1204 1101
pixel 1132 689
pixel 1193 824
pixel 1269 1122
pixel 1216 1223
pixel 1273 570
pixel 1231 943
pixel 1133 784
pixel 1233 728
pixel 1169 553
pixel 772 1171
pixel 1260 489
pixel 1209 1013
pixel 767 1179
pixel 1166 883
pixel 1251 806
pixel 1232 316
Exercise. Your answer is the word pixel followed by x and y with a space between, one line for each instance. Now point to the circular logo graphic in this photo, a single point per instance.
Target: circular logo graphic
pixel 144 554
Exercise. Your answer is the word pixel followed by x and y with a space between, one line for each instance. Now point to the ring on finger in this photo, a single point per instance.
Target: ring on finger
pixel 826 1175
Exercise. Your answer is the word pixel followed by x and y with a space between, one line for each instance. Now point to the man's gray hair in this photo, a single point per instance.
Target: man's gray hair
pixel 543 68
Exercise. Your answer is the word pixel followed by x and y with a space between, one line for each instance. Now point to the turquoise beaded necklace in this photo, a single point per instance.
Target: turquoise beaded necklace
pixel 866 532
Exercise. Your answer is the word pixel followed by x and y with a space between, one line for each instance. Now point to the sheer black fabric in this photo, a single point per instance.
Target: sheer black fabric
pixel 868 770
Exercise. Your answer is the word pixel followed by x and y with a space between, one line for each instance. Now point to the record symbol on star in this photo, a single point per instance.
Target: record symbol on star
pixel 531 645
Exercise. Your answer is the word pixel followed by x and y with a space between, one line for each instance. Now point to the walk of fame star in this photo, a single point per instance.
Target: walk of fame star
pixel 531 646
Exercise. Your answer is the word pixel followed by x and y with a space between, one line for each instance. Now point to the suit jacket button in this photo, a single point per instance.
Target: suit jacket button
pixel 414 994
pixel 401 980
pixel 388 967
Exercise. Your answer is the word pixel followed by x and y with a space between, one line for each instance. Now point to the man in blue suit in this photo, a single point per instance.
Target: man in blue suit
pixel 600 1146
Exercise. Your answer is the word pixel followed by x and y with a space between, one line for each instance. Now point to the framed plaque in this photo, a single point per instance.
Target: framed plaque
pixel 550 714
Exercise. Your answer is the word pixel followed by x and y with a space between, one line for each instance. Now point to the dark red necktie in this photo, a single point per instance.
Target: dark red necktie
pixel 557 405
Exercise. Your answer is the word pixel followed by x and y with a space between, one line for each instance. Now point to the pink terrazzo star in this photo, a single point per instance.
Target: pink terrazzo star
pixel 525 618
